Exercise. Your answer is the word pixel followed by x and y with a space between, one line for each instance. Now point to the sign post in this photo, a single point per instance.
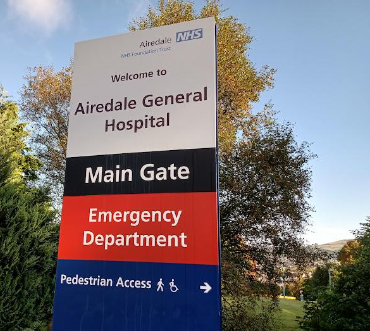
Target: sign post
pixel 139 238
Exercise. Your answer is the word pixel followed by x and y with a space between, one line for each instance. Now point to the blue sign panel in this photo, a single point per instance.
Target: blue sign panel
pixel 136 296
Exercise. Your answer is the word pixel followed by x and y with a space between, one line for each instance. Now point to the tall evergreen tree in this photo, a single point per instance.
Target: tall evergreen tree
pixel 28 233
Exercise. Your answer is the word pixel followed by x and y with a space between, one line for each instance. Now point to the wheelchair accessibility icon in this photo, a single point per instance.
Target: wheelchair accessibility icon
pixel 173 287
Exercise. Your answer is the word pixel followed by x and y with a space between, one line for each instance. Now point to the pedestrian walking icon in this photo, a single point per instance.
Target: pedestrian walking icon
pixel 160 285
pixel 173 287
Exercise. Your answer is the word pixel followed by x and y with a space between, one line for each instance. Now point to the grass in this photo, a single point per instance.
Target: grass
pixel 290 309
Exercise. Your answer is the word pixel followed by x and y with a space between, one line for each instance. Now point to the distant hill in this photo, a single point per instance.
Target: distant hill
pixel 334 246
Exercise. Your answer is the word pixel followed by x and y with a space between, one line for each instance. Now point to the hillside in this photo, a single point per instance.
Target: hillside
pixel 334 246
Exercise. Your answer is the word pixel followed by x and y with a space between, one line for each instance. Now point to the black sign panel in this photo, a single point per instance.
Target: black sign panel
pixel 192 170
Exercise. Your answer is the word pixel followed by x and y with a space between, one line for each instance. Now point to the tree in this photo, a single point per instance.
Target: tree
pixel 264 174
pixel 265 184
pixel 348 252
pixel 45 105
pixel 318 282
pixel 239 82
pixel 347 305
pixel 28 234
pixel 12 140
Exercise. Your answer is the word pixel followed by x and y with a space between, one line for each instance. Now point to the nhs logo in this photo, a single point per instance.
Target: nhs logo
pixel 189 35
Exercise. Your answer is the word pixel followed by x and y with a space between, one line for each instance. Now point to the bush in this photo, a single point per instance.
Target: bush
pixel 248 314
pixel 28 233
pixel 318 282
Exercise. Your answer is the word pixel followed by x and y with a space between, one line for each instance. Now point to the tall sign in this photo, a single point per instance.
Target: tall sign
pixel 139 237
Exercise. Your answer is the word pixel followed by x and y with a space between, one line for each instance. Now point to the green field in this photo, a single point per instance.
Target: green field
pixel 290 309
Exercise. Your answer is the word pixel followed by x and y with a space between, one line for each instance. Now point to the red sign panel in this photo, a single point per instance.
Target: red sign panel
pixel 172 228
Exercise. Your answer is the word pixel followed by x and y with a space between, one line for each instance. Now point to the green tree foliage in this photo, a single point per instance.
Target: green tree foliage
pixel 265 183
pixel 347 305
pixel 28 234
pixel 12 142
pixel 318 282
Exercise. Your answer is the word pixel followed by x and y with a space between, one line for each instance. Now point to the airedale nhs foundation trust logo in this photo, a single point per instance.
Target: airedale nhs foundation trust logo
pixel 189 35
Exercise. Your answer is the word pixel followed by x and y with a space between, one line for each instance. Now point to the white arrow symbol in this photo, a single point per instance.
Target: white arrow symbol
pixel 206 287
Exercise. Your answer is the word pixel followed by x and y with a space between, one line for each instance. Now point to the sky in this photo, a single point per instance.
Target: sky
pixel 320 48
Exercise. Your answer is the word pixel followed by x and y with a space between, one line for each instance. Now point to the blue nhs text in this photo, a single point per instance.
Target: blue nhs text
pixel 189 35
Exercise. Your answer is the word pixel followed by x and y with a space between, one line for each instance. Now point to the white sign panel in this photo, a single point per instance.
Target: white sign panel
pixel 149 90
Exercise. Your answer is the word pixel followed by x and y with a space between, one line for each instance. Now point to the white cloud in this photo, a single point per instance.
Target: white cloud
pixel 45 15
